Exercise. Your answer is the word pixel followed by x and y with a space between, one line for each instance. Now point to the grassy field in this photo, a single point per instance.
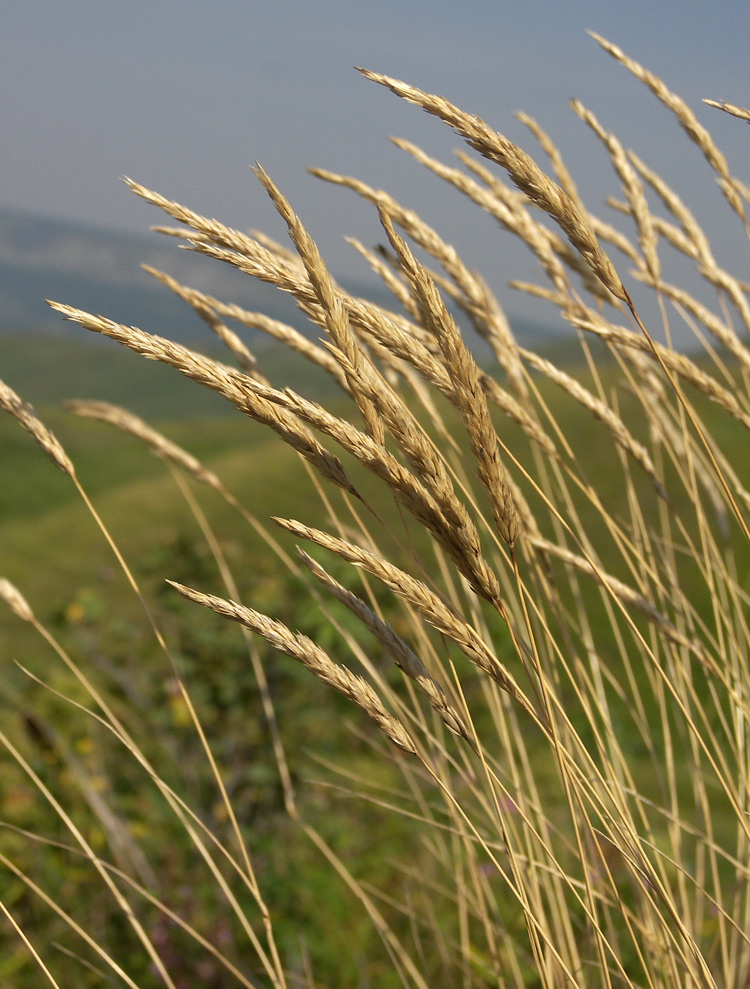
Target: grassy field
pixel 51 548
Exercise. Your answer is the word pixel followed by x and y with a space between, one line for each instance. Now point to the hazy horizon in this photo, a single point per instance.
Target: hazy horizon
pixel 185 96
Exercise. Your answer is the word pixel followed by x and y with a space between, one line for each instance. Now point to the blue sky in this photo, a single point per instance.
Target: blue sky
pixel 183 95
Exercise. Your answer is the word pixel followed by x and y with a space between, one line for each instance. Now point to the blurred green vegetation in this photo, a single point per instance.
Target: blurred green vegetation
pixel 51 549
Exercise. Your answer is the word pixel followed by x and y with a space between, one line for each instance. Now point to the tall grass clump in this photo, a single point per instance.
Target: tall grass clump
pixel 527 584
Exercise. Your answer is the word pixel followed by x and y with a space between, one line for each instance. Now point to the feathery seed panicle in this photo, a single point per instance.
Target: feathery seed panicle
pixel 679 363
pixel 482 308
pixel 699 245
pixel 387 275
pixel 411 223
pixel 214 239
pixel 686 118
pixel 410 436
pixel 601 411
pixel 228 382
pixel 198 301
pixel 401 654
pixel 15 600
pixel 308 653
pixel 454 531
pixel 274 328
pixel 280 250
pixel 510 210
pixel 730 108
pixel 563 176
pixel 513 213
pixel 336 316
pixel 610 235
pixel 213 230
pixel 156 442
pixel 523 172
pixel 557 299
pixel 430 497
pixel 433 608
pixel 399 335
pixel 631 185
pixel 470 398
pixel 25 414
pixel 668 231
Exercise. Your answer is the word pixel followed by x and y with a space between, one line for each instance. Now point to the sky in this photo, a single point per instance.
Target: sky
pixel 184 95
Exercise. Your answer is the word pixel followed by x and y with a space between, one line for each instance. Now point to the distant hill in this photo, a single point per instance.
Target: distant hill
pixel 99 271
pixel 47 359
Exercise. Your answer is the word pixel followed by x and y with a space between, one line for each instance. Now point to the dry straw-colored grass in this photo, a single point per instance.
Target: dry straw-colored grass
pixel 563 553
pixel 24 413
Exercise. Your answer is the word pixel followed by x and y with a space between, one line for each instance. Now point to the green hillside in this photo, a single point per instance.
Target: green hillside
pixel 52 550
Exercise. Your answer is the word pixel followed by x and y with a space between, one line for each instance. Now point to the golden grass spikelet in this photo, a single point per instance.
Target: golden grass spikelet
pixel 385 271
pixel 442 512
pixel 610 235
pixel 361 445
pixel 154 440
pixel 470 398
pixel 432 608
pixel 412 439
pixel 455 532
pixel 699 248
pixel 404 657
pixel 280 331
pixel 287 273
pixel 686 118
pixel 730 108
pixel 280 250
pixel 27 417
pixel 669 232
pixel 15 600
pixel 631 185
pixel 483 310
pixel 228 382
pixel 311 656
pixel 688 370
pixel 198 301
pixel 563 176
pixel 523 172
pixel 275 266
pixel 399 335
pixel 437 508
pixel 601 411
pixel 511 212
pixel 213 230
pixel 407 219
pixel 336 316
